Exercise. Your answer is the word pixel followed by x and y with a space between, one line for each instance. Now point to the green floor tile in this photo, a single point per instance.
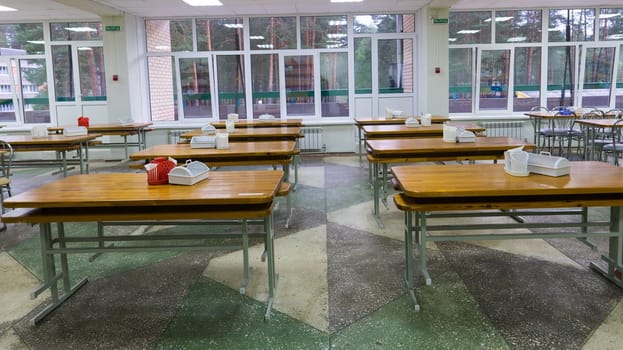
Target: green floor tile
pixel 215 317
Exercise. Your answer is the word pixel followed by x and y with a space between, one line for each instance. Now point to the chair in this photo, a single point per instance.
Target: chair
pixel 562 131
pixel 6 157
pixel 616 146
pixel 592 138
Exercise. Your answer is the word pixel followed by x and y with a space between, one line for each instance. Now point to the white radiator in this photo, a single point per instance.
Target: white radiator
pixel 512 129
pixel 312 141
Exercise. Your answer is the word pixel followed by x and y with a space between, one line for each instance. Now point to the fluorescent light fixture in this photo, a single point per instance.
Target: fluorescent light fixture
pixel 335 1
pixel 81 29
pixel 203 2
pixel 608 15
pixel 265 46
pixel 341 22
pixel 4 8
pixel 451 39
pixel 163 47
pixel 516 39
pixel 499 19
pixel 615 37
pixel 233 25
pixel 256 37
pixel 336 35
pixel 468 31
pixel 39 42
pixel 84 48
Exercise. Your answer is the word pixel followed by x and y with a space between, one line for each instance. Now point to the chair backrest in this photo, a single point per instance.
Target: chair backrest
pixel 615 113
pixel 617 132
pixel 539 108
pixel 6 158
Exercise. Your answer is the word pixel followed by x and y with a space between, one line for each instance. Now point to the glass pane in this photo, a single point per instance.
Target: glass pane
pixel 320 32
pixel 395 65
pixel 21 39
pixel 63 73
pixel 611 24
pixel 195 78
pixel 598 76
pixel 169 36
pixel 363 65
pixel 7 91
pixel 470 27
pixel 299 72
pixel 61 31
pixel 265 75
pixel 334 84
pixel 522 26
pixel 35 91
pixel 560 76
pixel 384 23
pixel 494 74
pixel 527 83
pixel 571 25
pixel 221 34
pixel 460 76
pixel 231 96
pixel 619 90
pixel 162 89
pixel 267 33
pixel 92 74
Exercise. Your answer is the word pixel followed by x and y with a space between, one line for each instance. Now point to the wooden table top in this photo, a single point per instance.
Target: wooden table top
pixel 360 121
pixel 131 189
pixel 401 130
pixel 104 128
pixel 600 123
pixel 597 180
pixel 26 140
pixel 432 146
pixel 251 149
pixel 260 123
pixel 255 133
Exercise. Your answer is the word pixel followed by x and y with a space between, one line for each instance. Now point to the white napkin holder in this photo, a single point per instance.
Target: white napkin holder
pixel 266 117
pixel 465 136
pixel 397 114
pixel 189 174
pixel 75 131
pixel 208 129
pixel 39 131
pixel 549 165
pixel 426 119
pixel 412 122
pixel 222 140
pixel 516 162
pixel 230 126
pixel 203 141
pixel 449 133
pixel 232 116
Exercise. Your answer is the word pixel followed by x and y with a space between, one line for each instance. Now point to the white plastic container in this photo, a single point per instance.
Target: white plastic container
pixel 188 174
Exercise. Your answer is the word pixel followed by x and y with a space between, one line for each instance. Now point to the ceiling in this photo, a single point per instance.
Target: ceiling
pixel 93 9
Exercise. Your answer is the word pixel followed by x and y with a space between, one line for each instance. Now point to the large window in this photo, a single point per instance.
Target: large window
pixel 265 73
pixel 195 78
pixel 268 33
pixel 221 34
pixel 334 84
pixel 323 32
pixel 527 78
pixel 470 27
pixel 523 26
pixel 561 76
pixel 571 25
pixel 460 75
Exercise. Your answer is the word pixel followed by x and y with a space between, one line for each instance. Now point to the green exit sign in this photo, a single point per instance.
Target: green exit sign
pixel 440 21
pixel 113 28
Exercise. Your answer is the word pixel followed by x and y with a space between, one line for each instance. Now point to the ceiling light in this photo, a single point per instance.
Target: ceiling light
pixel 341 22
pixel 39 42
pixel 265 46
pixel 84 48
pixel 499 19
pixel 4 8
pixel 468 31
pixel 233 25
pixel 346 0
pixel 81 29
pixel 608 15
pixel 451 39
pixel 256 37
pixel 336 35
pixel 615 37
pixel 516 39
pixel 203 2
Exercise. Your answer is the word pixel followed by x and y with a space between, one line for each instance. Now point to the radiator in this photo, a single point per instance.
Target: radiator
pixel 312 141
pixel 174 135
pixel 512 129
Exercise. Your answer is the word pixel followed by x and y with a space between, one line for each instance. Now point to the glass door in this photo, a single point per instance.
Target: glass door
pixel 493 77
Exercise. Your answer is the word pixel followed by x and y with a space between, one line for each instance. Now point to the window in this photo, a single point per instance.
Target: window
pixel 72 31
pixel 299 72
pixel 91 72
pixel 162 88
pixel 231 96
pixel 221 34
pixel 470 27
pixel 169 35
pixel 571 25
pixel 611 24
pixel 323 32
pixel 363 24
pixel 63 73
pixel 522 26
pixel 334 84
pixel 363 65
pixel 527 78
pixel 21 39
pixel 460 76
pixel 271 33
pixel 195 78
pixel 265 78
pixel 395 65
pixel 560 76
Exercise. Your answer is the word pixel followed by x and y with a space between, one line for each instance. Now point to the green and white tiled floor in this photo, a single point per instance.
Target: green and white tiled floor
pixel 340 286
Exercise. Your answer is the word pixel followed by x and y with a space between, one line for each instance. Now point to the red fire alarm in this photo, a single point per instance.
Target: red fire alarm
pixel 437 70
pixel 115 77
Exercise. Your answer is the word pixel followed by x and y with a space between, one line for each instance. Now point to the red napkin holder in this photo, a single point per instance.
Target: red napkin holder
pixel 159 175
pixel 83 121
